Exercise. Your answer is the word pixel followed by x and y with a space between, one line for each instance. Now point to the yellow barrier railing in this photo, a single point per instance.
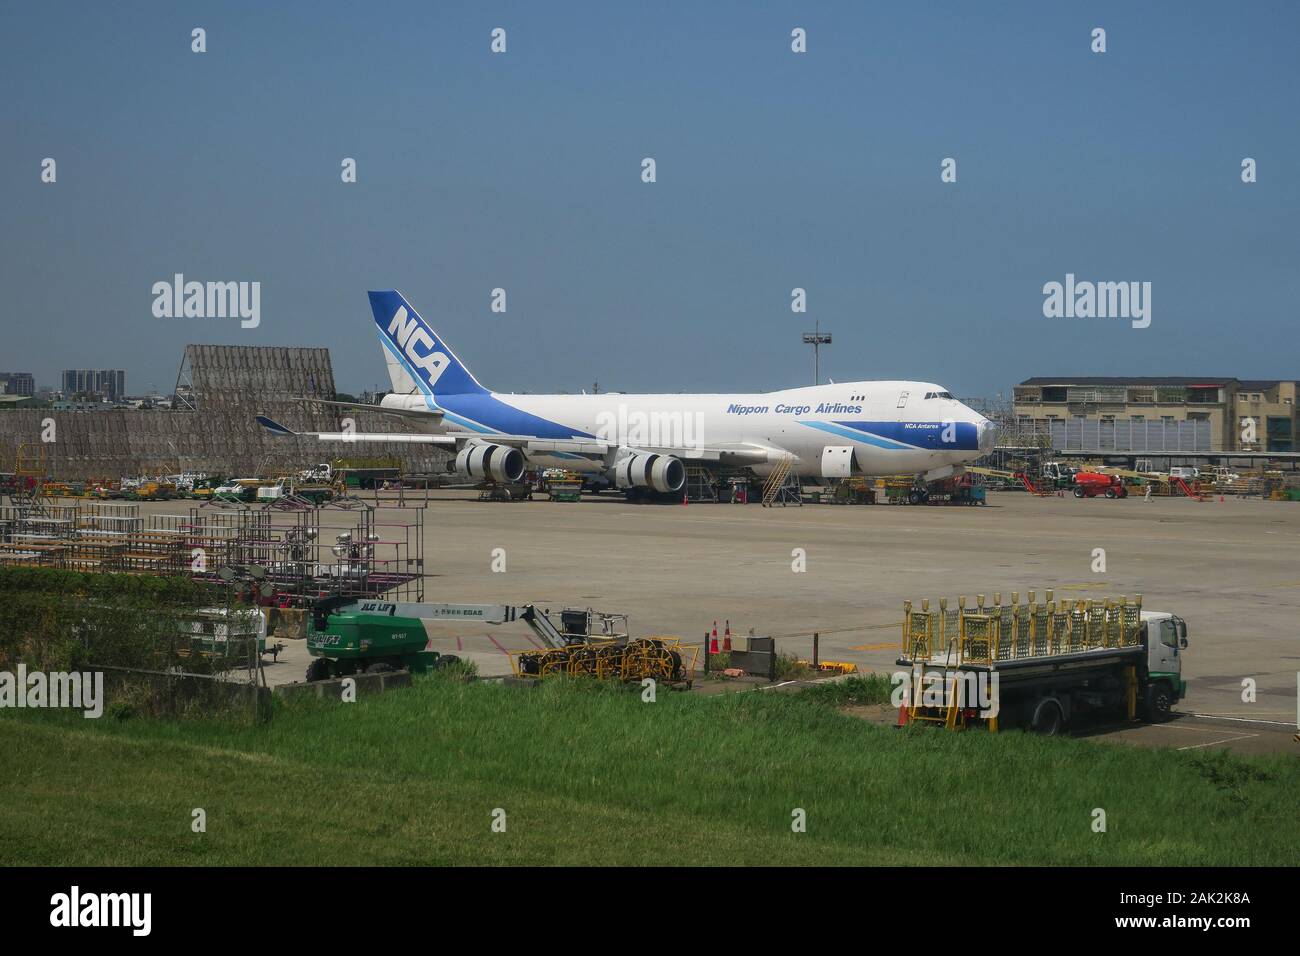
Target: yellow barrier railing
pixel 990 634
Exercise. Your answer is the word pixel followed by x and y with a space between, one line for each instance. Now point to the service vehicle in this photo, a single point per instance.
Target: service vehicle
pixel 1040 666
pixel 1090 484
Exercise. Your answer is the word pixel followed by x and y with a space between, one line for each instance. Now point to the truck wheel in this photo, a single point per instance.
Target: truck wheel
pixel 446 660
pixel 318 669
pixel 1048 719
pixel 914 497
pixel 1159 702
pixel 1078 492
pixel 1110 493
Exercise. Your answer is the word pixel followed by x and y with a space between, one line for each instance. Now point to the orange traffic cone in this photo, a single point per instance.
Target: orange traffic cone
pixel 902 716
pixel 715 638
pixel 726 639
pixel 684 501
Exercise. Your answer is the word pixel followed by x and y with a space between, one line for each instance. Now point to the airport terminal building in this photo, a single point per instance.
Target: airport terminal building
pixel 1189 415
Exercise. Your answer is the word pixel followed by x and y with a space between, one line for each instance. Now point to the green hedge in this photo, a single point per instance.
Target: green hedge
pixel 56 620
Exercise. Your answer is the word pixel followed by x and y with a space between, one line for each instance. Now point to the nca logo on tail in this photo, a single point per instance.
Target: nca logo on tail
pixel 407 333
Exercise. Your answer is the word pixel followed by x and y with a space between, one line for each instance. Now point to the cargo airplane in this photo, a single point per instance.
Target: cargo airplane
pixel 643 443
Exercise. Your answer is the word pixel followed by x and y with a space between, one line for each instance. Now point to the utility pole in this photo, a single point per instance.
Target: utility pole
pixel 817 339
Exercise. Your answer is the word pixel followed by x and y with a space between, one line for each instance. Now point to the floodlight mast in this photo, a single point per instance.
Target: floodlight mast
pixel 817 339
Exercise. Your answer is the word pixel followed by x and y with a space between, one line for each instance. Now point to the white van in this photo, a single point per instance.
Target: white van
pixel 1187 473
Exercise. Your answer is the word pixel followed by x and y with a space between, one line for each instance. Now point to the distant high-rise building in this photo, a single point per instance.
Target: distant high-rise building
pixel 106 383
pixel 17 383
pixel 113 383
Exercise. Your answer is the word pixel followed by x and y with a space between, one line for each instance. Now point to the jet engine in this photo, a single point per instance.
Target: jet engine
pixel 663 473
pixel 499 462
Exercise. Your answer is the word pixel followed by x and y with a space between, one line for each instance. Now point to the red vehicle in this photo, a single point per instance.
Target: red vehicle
pixel 1090 484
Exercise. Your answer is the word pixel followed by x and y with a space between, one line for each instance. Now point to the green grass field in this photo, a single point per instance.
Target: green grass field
pixel 591 775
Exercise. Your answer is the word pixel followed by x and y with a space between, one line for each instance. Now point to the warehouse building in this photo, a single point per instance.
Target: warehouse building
pixel 1198 415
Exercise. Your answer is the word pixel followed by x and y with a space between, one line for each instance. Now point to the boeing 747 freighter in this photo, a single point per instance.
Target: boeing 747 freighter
pixel 644 442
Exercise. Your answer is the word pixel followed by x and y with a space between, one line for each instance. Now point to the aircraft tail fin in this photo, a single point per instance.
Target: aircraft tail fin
pixel 419 362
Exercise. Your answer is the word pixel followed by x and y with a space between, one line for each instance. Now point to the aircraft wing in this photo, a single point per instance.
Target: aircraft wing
pixel 731 453
pixel 421 414
pixel 282 432
pixel 737 453
pixel 275 428
pixel 525 443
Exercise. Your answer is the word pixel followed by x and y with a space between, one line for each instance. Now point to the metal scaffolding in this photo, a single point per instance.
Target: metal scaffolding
pixel 341 548
pixel 220 390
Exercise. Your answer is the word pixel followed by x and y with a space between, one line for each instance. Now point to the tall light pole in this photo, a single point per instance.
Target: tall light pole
pixel 817 339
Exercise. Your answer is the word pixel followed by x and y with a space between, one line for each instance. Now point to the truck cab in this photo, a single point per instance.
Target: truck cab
pixel 1164 636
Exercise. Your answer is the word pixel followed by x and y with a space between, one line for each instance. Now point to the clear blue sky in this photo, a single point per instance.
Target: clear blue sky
pixel 775 170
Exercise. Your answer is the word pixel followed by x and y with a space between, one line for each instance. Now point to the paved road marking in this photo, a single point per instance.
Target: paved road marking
pixel 1245 720
pixel 1215 743
pixel 893 645
pixel 823 631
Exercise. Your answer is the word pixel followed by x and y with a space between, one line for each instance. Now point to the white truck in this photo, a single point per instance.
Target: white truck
pixel 321 473
pixel 1040 665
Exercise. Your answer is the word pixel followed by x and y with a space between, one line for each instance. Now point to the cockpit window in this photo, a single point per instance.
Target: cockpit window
pixel 938 394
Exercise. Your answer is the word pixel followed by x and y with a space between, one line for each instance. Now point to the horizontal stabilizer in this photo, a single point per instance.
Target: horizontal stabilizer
pixel 274 427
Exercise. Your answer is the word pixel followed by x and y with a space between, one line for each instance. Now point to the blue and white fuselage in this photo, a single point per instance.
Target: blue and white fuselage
pixel 894 428
pixel 825 431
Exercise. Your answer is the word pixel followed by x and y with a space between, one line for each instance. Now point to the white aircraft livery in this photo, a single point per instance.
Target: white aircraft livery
pixel 644 442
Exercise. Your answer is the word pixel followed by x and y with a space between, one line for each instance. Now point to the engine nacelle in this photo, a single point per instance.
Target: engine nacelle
pixel 499 462
pixel 663 473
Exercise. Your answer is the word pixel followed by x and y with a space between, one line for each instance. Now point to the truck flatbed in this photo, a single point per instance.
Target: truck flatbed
pixel 1038 663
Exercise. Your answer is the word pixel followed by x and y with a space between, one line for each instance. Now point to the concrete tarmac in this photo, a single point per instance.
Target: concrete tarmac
pixel 1230 569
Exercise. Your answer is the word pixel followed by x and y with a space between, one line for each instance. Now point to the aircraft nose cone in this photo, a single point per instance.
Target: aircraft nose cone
pixel 988 435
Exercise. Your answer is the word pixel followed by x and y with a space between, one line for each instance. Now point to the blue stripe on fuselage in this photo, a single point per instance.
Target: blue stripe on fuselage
pixel 905 436
pixel 486 409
